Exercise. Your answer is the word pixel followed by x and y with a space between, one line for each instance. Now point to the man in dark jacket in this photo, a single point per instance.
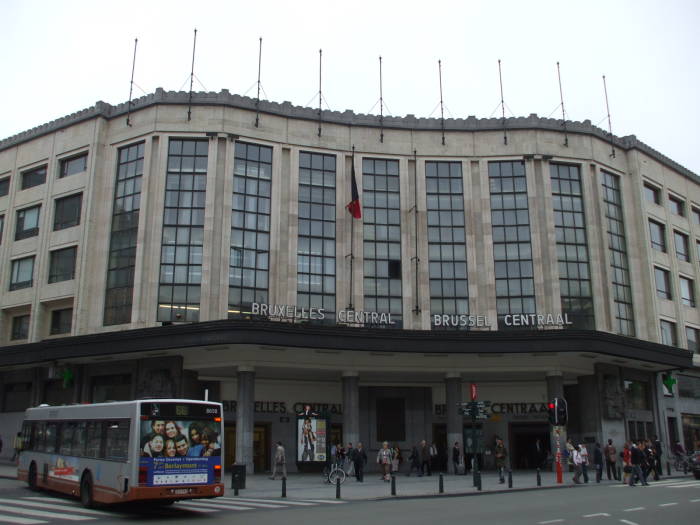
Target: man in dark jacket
pixel 424 454
pixel 359 460
pixel 598 461
pixel 637 461
pixel 657 450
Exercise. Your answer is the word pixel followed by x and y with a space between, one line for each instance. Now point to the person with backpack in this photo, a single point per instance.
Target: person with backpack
pixel 610 453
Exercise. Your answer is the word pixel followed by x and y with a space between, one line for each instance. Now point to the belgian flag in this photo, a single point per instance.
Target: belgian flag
pixel 354 204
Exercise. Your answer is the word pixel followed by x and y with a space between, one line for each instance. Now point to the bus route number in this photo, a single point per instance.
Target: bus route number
pixel 181 410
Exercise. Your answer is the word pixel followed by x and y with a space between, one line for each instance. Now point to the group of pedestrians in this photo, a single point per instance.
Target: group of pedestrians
pixel 352 459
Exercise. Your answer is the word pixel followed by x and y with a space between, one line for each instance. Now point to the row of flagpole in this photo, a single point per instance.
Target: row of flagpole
pixel 381 96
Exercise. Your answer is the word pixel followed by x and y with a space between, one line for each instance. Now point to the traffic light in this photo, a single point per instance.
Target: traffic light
pixel 562 411
pixel 557 412
pixel 552 413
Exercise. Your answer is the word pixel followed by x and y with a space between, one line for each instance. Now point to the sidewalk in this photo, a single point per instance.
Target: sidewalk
pixel 310 486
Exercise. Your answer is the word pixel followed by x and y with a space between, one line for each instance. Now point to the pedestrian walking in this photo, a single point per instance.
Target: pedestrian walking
pixel 626 462
pixel 637 458
pixel 414 458
pixel 610 453
pixel 17 446
pixel 584 461
pixel 540 454
pixel 456 457
pixel 359 460
pixel 598 461
pixel 396 459
pixel 658 451
pixel 349 465
pixel 569 453
pixel 280 462
pixel 500 453
pixel 384 460
pixel 424 451
pixel 434 463
pixel 577 462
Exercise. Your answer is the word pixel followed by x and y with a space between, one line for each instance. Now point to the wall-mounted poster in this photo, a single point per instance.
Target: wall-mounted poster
pixel 311 439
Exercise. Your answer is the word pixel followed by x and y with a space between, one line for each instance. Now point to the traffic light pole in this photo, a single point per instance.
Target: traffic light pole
pixel 557 431
pixel 475 462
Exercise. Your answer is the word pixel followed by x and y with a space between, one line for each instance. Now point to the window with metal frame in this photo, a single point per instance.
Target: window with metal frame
pixel 33 177
pixel 381 206
pixel 122 243
pixel 22 273
pixel 652 194
pixel 183 231
pixel 657 234
pixel 677 205
pixel 680 240
pixel 316 268
pixel 73 165
pixel 619 265
pixel 67 212
pixel 4 186
pixel 512 250
pixel 663 283
pixel 62 264
pixel 668 333
pixel 687 291
pixel 61 321
pixel 249 261
pixel 447 247
pixel 20 327
pixel 27 222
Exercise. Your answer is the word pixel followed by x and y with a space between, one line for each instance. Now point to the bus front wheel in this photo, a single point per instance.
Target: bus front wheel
pixel 31 477
pixel 86 491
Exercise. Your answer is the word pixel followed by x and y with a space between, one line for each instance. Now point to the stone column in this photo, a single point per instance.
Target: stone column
pixel 245 414
pixel 453 395
pixel 555 388
pixel 351 407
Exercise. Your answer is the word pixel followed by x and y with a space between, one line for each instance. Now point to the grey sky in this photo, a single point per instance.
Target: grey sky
pixel 61 56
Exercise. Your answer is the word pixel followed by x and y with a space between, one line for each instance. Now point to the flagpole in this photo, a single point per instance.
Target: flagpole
pixel 257 100
pixel 607 106
pixel 442 112
pixel 381 103
pixel 189 104
pixel 503 104
pixel 131 85
pixel 563 113
pixel 320 114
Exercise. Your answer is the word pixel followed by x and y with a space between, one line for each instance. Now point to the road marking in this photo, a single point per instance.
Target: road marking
pixel 43 514
pixel 597 515
pixel 50 506
pixel 633 509
pixel 206 507
pixel 550 521
pixel 22 521
pixel 667 504
pixel 333 501
pixel 197 509
pixel 215 505
pixel 684 485
pixel 280 501
pixel 628 522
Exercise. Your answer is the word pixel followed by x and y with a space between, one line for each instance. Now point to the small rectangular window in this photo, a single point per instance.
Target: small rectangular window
pixel 682 250
pixel 687 292
pixel 93 447
pixel 67 212
pixel 652 194
pixel 4 186
pixel 657 234
pixel 2 226
pixel 61 321
pixel 22 273
pixel 663 283
pixel 676 205
pixel 117 442
pixel 668 333
pixel 27 222
pixel 20 327
pixel 73 165
pixel 691 334
pixel 34 177
pixel 695 213
pixel 62 264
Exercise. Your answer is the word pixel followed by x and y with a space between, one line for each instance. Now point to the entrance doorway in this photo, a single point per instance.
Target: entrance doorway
pixel 524 453
pixel 440 440
pixel 261 446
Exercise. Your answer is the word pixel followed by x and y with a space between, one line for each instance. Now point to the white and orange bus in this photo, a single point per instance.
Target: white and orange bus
pixel 157 449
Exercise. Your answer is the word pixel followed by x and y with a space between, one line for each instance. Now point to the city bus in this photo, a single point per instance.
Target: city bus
pixel 160 450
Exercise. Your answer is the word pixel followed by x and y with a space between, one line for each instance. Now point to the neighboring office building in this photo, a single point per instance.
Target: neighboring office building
pixel 171 257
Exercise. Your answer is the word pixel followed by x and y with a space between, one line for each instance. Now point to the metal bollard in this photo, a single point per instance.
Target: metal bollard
pixel 393 485
pixel 478 481
pixel 337 488
pixel 539 478
pixel 284 487
pixel 441 485
pixel 510 479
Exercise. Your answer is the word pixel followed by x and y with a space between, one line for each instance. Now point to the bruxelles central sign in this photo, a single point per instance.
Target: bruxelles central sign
pixel 359 317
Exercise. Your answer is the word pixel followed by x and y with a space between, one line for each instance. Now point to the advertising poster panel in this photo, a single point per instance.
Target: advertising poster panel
pixel 311 439
pixel 180 452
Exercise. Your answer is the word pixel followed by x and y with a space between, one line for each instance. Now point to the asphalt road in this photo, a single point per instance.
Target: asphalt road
pixel 669 501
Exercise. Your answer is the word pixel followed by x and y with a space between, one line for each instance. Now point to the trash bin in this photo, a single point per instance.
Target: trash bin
pixel 237 476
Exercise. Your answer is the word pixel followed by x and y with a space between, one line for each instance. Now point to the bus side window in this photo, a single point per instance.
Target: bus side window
pixel 78 445
pixel 27 441
pixel 117 442
pixel 40 444
pixel 67 431
pixel 51 438
pixel 94 439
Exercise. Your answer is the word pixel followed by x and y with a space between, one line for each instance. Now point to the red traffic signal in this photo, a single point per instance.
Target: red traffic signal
pixel 557 412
